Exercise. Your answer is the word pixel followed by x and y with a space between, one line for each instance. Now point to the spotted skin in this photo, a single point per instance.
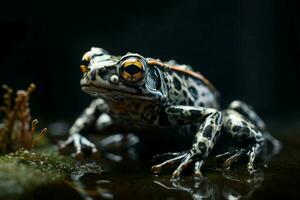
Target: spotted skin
pixel 145 96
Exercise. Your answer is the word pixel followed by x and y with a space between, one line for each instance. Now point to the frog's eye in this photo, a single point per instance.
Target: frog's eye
pixel 85 63
pixel 132 69
pixel 84 66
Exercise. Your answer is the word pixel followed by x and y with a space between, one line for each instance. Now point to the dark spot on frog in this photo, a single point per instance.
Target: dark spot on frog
pixel 202 146
pixel 191 102
pixel 207 132
pixel 102 72
pixel 236 128
pixel 216 137
pixel 246 130
pixel 176 83
pixel 182 102
pixel 195 114
pixel 184 93
pixel 176 93
pixel 194 92
pixel 243 138
pixel 175 110
pixel 158 84
pixel 93 75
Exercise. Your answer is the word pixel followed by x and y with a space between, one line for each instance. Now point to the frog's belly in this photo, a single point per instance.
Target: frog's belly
pixel 138 126
pixel 154 139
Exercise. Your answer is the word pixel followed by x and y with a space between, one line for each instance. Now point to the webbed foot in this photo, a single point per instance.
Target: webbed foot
pixel 80 143
pixel 184 159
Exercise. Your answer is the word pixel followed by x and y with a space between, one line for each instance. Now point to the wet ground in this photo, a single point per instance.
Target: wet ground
pixel 129 178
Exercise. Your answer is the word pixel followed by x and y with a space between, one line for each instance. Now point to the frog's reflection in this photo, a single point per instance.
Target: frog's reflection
pixel 228 185
pixel 231 185
pixel 200 189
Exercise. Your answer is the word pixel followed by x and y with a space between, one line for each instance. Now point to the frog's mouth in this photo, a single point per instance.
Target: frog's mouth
pixel 113 92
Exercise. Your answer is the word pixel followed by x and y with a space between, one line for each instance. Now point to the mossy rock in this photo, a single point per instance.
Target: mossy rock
pixel 23 171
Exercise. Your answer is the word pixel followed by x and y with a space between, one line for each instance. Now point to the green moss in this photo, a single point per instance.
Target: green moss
pixel 23 171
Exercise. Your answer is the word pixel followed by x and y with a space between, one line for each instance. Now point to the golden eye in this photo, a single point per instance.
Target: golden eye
pixel 85 63
pixel 132 69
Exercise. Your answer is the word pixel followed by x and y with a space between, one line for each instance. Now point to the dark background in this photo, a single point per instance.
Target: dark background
pixel 248 49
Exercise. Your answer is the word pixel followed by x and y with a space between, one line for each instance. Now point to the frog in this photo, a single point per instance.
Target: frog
pixel 147 96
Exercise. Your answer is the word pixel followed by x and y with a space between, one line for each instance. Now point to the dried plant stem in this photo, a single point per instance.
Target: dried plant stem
pixel 17 129
pixel 39 137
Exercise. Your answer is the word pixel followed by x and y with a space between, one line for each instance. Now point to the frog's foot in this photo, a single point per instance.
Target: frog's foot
pixel 250 152
pixel 185 159
pixel 80 143
pixel 233 159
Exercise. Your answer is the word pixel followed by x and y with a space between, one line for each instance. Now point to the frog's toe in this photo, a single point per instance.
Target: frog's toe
pixel 87 144
pixel 228 163
pixel 197 170
pixel 157 168
pixel 185 162
pixel 168 155
pixel 75 141
pixel 252 153
pixel 63 145
pixel 185 159
pixel 79 142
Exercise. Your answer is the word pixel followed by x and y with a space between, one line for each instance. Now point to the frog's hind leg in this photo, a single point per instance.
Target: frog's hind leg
pixel 248 136
pixel 247 111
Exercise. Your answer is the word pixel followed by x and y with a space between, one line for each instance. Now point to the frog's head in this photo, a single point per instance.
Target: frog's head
pixel 129 76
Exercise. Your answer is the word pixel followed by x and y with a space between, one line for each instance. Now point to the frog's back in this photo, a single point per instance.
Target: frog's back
pixel 187 87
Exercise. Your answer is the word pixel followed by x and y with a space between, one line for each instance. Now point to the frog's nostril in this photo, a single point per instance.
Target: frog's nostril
pixel 114 79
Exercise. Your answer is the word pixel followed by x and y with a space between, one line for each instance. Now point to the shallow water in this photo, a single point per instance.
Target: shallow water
pixel 129 178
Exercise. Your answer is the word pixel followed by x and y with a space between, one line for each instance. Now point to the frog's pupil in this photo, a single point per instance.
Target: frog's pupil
pixel 132 69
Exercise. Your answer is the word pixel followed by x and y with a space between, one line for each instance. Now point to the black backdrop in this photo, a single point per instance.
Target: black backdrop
pixel 248 49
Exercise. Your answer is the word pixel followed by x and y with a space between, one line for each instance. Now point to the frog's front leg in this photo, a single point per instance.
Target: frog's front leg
pixel 94 113
pixel 204 140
